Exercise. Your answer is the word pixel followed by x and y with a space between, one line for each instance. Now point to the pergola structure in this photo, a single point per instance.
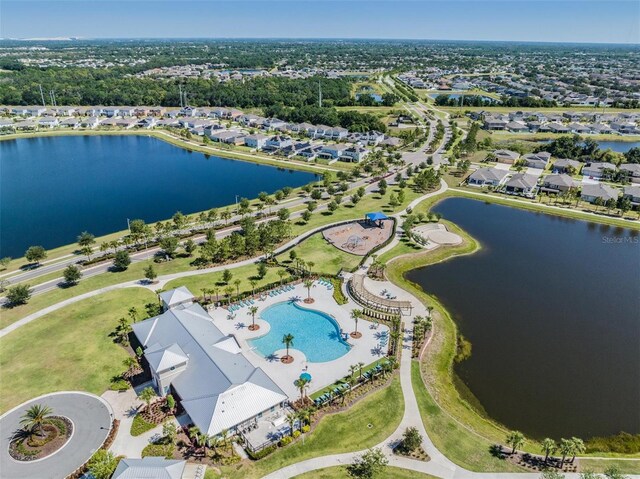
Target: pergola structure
pixel 362 295
pixel 376 218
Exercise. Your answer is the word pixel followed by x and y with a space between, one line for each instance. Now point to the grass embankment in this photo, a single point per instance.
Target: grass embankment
pixel 327 259
pixel 370 202
pixel 69 349
pixel 339 472
pixel 342 432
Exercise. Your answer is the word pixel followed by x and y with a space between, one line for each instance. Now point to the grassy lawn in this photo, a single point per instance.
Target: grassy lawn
pixel 625 467
pixel 452 439
pixel 211 280
pixel 69 349
pixel 337 433
pixel 327 258
pixel 338 472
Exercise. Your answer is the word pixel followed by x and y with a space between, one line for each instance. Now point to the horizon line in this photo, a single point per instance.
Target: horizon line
pixel 544 42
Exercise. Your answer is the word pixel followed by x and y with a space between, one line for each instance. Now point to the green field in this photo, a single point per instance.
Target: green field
pixel 327 259
pixel 69 349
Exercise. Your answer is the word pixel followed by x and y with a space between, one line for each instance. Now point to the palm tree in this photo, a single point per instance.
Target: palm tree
pixel 291 419
pixel 356 314
pixel 253 283
pixel 228 291
pixel 237 285
pixel 216 290
pixel 302 384
pixel 515 439
pixel 287 340
pixel 308 283
pixel 147 395
pixel 252 311
pixel 360 365
pixel 352 369
pixel 281 273
pixel 34 418
pixel 578 447
pixel 566 447
pixel 549 446
pixel 224 434
pixel 304 416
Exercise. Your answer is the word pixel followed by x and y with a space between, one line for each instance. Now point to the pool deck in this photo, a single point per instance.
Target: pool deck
pixel 365 349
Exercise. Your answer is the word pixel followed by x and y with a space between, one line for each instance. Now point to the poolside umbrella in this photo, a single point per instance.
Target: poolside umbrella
pixel 305 376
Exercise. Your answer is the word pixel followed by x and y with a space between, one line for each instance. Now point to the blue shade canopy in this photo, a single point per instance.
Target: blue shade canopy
pixel 376 216
pixel 305 376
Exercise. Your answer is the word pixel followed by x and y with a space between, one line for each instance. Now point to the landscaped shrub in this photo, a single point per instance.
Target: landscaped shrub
pixel 119 385
pixel 306 429
pixel 296 434
pixel 162 450
pixel 140 426
pixel 262 453
pixel 338 295
pixel 622 443
pixel 285 441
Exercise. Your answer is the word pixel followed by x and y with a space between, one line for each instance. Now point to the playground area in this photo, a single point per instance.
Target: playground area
pixel 361 236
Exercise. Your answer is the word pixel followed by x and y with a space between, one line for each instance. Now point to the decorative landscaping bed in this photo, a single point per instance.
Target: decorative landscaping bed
pixel 29 447
pixel 418 454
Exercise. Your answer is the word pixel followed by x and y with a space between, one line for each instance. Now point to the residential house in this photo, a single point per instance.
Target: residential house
pixel 33 111
pixel 537 160
pixel 494 124
pixel 597 169
pixel 592 191
pixel 336 133
pixel 506 156
pixel 333 152
pixel 278 142
pixel 565 165
pixel 148 122
pixel 632 193
pixel 311 152
pixel 70 123
pixel 256 141
pixel 274 124
pixel 516 127
pixel 48 121
pixel 487 177
pixel 230 137
pixel 126 123
pixel 190 357
pixel 127 111
pixel 110 111
pixel 90 122
pixel 6 124
pixel 354 154
pixel 521 184
pixel 26 125
pixel 579 128
pixel 632 170
pixel 557 183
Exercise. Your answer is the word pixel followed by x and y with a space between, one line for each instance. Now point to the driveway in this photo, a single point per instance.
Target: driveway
pixel 91 417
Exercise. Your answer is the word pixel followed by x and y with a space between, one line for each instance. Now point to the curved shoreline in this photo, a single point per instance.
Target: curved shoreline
pixel 443 389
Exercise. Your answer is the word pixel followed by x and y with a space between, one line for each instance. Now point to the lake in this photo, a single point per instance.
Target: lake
pixel 619 146
pixel 52 188
pixel 552 309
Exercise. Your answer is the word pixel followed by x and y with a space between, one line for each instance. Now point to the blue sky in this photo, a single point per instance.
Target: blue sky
pixel 520 20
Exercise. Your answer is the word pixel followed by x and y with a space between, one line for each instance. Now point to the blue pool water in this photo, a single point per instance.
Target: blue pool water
pixel 316 334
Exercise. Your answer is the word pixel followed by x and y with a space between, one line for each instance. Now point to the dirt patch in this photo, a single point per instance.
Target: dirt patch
pixel 286 359
pixel 309 300
pixel 254 327
pixel 55 433
pixel 355 335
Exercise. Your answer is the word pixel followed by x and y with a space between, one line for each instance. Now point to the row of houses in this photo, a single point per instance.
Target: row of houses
pixel 594 170
pixel 528 185
pixel 568 122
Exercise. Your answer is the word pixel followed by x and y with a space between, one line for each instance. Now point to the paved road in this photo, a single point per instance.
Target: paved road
pixel 91 417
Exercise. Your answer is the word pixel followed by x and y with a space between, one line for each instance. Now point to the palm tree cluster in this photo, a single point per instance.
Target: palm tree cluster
pixel 566 447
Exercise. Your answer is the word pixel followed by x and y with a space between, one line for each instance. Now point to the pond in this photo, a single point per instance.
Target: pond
pixel 52 188
pixel 619 146
pixel 552 309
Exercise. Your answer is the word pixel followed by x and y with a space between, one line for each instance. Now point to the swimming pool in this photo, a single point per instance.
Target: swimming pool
pixel 316 334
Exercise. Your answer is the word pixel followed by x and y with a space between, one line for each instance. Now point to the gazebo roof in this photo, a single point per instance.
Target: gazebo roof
pixel 376 216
